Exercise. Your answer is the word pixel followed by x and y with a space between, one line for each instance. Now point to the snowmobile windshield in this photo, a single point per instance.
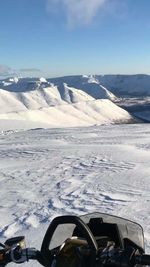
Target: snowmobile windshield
pixel 127 229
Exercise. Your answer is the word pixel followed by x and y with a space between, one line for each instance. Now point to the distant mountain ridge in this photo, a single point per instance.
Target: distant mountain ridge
pixel 137 85
pixel 88 84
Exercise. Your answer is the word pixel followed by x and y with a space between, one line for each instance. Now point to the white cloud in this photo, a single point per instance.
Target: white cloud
pixel 79 12
pixel 30 70
pixel 4 70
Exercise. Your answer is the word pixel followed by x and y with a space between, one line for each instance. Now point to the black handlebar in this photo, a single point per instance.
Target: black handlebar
pixel 115 257
pixel 18 255
pixel 143 259
pixel 31 253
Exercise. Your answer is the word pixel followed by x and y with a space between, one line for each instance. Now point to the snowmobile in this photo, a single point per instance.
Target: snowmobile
pixel 92 240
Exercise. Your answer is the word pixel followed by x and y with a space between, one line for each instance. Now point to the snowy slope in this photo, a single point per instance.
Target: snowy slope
pixel 79 114
pixel 59 105
pixel 44 173
pixel 34 99
pixel 86 83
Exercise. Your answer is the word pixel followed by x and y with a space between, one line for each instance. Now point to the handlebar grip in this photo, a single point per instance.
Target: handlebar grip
pixel 143 259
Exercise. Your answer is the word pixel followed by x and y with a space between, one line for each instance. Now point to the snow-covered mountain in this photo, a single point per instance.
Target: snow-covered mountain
pixel 132 90
pixel 120 85
pixel 57 103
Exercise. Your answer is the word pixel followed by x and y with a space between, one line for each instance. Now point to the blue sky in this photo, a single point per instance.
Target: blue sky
pixel 64 37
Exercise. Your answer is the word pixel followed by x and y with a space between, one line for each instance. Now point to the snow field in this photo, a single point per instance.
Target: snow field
pixel 48 172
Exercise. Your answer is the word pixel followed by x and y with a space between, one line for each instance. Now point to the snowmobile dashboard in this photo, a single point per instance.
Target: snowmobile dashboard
pixel 99 231
pixel 92 240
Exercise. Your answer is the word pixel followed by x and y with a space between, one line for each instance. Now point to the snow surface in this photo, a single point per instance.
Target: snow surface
pixel 48 172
